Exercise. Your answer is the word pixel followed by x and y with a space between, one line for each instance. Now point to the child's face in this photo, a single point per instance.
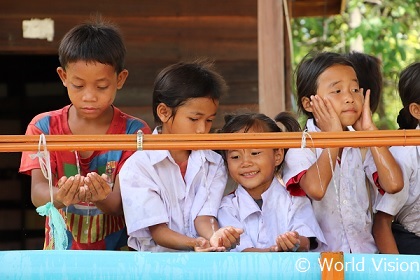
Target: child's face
pixel 339 84
pixel 194 117
pixel 254 168
pixel 91 87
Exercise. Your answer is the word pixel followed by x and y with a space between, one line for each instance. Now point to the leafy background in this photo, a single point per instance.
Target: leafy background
pixel 388 29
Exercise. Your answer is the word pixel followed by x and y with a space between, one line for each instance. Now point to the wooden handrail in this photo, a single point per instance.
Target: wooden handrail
pixel 216 141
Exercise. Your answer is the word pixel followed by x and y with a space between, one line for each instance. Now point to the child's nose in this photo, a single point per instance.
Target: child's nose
pixel 349 98
pixel 89 95
pixel 200 128
pixel 246 161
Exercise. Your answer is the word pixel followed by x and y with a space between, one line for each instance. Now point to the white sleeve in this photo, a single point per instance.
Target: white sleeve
pixel 303 219
pixel 229 216
pixel 213 191
pixel 142 201
pixel 296 161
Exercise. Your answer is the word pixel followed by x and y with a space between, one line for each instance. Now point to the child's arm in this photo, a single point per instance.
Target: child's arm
pixel 389 172
pixel 67 193
pixel 382 233
pixel 168 238
pixel 317 178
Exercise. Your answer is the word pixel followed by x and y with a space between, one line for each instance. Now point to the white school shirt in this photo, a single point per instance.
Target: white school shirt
pixel 405 205
pixel 154 192
pixel 280 213
pixel 343 213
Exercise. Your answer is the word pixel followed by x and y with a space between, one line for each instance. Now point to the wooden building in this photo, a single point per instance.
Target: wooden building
pixel 247 39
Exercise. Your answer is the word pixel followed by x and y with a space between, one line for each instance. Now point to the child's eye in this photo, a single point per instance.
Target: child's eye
pixel 193 120
pixel 234 157
pixel 355 90
pixel 337 91
pixel 76 86
pixel 255 153
pixel 210 120
pixel 103 88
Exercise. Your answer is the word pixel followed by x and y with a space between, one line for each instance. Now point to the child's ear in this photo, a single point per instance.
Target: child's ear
pixel 63 75
pixel 164 112
pixel 278 156
pixel 306 104
pixel 414 109
pixel 122 76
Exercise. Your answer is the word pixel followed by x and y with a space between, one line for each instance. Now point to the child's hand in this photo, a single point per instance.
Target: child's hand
pixel 325 116
pixel 203 245
pixel 365 121
pixel 287 242
pixel 227 237
pixel 97 186
pixel 70 190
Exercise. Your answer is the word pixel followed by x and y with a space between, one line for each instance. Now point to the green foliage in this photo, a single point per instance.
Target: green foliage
pixel 390 30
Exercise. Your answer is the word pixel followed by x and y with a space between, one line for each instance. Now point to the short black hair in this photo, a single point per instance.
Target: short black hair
pixel 93 41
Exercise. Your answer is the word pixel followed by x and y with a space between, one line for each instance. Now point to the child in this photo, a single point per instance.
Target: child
pixel 335 178
pixel 273 220
pixel 92 69
pixel 369 75
pixel 400 211
pixel 170 198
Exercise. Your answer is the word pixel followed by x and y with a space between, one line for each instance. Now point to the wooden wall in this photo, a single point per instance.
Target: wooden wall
pixel 157 33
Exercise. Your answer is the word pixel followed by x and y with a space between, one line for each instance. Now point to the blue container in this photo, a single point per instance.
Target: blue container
pixel 141 265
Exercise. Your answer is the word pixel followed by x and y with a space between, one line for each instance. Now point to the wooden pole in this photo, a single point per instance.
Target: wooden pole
pixel 217 141
pixel 271 57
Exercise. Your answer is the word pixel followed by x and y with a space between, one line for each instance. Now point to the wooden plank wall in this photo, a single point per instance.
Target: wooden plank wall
pixel 157 33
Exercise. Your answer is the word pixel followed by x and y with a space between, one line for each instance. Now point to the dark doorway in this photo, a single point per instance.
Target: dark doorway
pixel 29 85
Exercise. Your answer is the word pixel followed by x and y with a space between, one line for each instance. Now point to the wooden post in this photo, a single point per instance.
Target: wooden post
pixel 271 57
pixel 333 266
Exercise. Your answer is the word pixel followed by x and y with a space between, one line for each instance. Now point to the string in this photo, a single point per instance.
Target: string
pixel 57 234
pixel 79 172
pixel 305 134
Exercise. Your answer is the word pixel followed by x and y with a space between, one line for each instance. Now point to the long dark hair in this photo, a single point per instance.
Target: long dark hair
pixel 179 82
pixel 409 90
pixel 309 70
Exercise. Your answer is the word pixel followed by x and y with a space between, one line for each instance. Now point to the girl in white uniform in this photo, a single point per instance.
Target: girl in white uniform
pixel 396 226
pixel 272 219
pixel 171 198
pixel 335 178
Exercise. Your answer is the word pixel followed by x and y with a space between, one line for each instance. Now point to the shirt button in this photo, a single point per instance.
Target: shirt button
pixel 344 201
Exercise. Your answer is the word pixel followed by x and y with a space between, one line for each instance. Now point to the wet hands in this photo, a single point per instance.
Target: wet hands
pixel 98 186
pixel 203 245
pixel 325 116
pixel 287 242
pixel 365 121
pixel 76 189
pixel 226 237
